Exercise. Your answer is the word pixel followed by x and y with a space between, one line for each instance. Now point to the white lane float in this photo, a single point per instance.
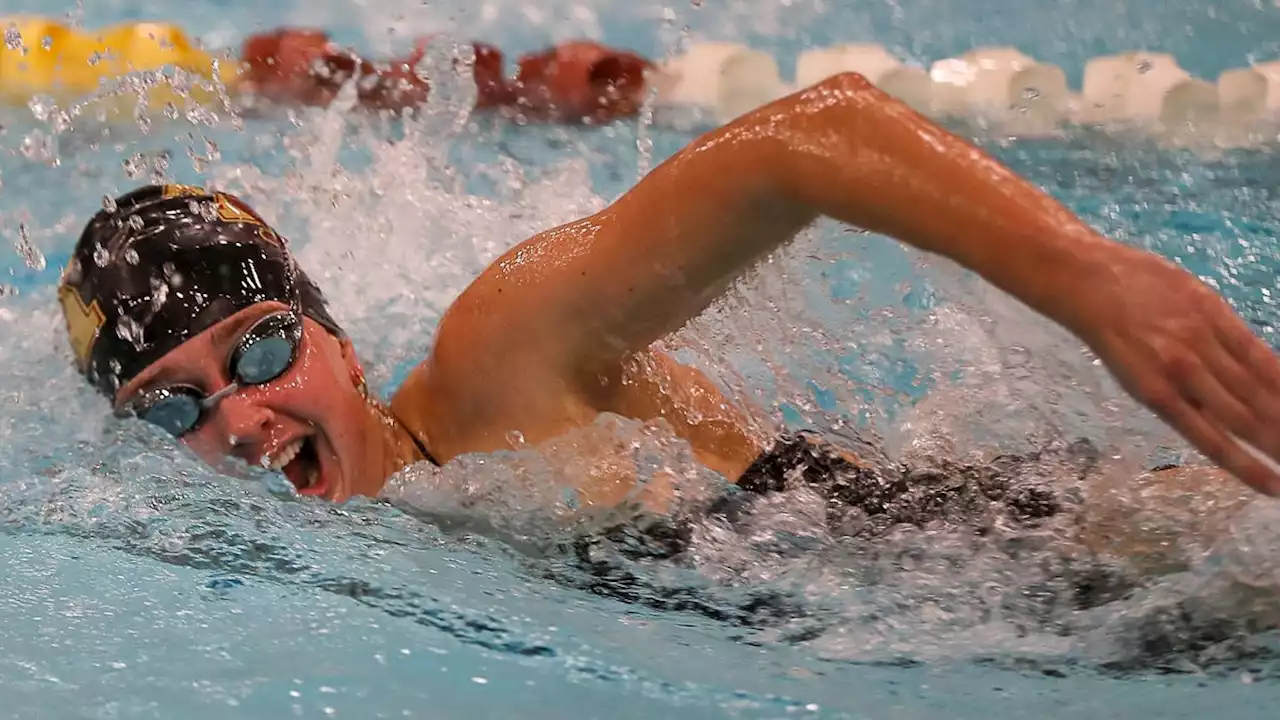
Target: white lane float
pixel 716 81
pixel 869 60
pixel 1249 104
pixel 1190 113
pixel 881 67
pixel 1131 87
pixel 1003 86
pixel 1250 97
pixel 911 85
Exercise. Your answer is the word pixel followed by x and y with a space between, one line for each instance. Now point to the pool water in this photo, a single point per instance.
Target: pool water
pixel 142 585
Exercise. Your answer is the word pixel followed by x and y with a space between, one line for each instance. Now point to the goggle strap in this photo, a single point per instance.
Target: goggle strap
pixel 210 400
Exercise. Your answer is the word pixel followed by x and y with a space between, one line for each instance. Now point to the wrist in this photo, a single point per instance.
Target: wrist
pixel 1061 272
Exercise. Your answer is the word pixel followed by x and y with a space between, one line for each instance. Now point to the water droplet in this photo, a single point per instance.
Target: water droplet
pixel 39 147
pixel 133 165
pixel 109 203
pixel 42 106
pixel 207 210
pixel 159 291
pixel 129 330
pixel 31 255
pixel 100 256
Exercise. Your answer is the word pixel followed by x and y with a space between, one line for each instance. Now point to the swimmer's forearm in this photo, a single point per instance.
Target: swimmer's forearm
pixel 853 153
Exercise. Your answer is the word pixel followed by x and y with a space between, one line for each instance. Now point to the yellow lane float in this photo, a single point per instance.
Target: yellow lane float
pixel 112 71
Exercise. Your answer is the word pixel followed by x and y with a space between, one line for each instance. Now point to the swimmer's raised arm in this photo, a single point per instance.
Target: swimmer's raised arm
pixel 592 292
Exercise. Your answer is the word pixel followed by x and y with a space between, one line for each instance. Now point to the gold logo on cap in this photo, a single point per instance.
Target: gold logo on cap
pixel 232 210
pixel 83 323
pixel 173 191
pixel 269 235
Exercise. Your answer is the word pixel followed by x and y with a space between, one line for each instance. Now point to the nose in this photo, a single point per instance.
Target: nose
pixel 241 420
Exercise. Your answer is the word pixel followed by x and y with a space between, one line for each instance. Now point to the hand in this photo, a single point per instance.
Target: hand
pixel 1177 346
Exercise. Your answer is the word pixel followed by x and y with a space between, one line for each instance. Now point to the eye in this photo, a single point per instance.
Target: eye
pixel 175 409
pixel 175 414
pixel 267 350
pixel 263 359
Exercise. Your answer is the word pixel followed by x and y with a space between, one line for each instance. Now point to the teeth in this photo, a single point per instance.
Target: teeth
pixel 285 456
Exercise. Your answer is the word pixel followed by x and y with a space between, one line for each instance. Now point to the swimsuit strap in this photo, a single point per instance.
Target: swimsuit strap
pixel 423 449
pixel 384 409
pixel 426 454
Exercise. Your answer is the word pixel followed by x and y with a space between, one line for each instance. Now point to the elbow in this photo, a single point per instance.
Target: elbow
pixel 837 114
pixel 842 94
pixel 841 103
pixel 845 82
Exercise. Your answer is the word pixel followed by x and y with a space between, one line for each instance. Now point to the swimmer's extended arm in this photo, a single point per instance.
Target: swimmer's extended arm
pixel 595 290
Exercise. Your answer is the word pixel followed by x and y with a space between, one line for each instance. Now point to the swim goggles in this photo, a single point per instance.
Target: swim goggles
pixel 265 351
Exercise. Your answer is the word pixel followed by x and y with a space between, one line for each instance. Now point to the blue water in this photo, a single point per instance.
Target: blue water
pixel 141 585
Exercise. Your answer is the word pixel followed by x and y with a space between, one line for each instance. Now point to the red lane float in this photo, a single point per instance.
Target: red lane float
pixel 574 82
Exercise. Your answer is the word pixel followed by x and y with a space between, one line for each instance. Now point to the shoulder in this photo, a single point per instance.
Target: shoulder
pixel 490 356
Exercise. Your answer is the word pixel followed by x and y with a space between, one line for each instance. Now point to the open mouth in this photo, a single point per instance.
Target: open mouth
pixel 300 464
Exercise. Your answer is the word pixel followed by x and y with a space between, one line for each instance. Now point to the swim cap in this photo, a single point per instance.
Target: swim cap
pixel 162 264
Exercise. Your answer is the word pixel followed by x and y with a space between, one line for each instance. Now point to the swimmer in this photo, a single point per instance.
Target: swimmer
pixel 186 309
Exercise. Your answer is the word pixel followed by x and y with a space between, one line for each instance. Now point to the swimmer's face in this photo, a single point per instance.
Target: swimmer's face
pixel 311 422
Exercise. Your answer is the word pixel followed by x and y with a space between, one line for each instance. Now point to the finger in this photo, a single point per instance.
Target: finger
pixel 1258 455
pixel 1206 384
pixel 1251 352
pixel 1246 408
pixel 1214 442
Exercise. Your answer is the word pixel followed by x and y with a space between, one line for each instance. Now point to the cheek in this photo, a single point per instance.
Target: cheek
pixel 211 450
pixel 320 390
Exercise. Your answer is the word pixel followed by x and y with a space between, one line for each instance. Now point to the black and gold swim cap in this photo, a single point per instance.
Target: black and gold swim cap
pixel 163 263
